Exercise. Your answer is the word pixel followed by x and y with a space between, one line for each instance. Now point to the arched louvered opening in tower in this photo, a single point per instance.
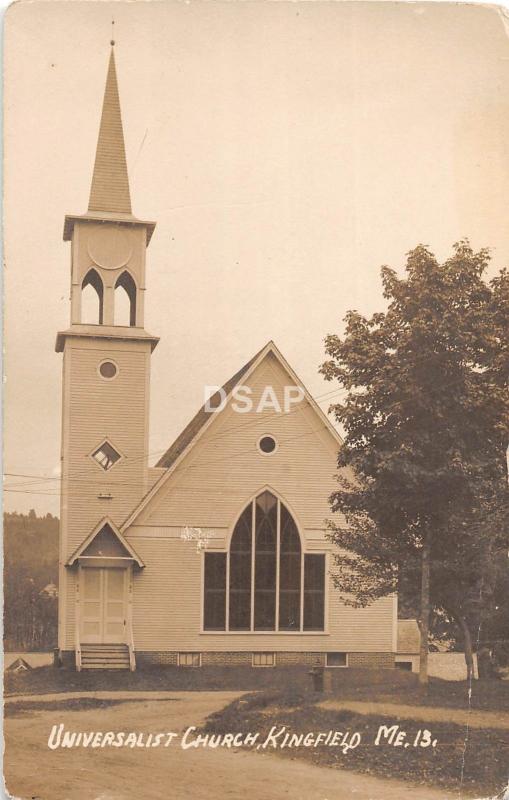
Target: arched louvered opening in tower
pixel 92 299
pixel 125 300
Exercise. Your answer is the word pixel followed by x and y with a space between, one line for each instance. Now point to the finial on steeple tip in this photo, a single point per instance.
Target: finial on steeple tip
pixel 112 32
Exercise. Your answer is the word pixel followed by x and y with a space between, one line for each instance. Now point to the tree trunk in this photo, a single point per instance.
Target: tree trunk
pixel 425 611
pixel 462 624
pixel 467 643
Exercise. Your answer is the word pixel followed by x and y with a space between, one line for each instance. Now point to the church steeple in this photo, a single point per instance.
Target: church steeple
pixel 110 183
pixel 108 255
pixel 110 198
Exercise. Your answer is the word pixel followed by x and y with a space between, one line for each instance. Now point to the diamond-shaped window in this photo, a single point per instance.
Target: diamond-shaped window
pixel 106 456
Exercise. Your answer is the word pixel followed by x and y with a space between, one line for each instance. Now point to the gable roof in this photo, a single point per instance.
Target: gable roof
pixel 193 428
pixel 201 421
pixel 18 665
pixel 97 532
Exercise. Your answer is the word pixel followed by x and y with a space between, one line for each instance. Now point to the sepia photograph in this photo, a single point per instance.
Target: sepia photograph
pixel 256 407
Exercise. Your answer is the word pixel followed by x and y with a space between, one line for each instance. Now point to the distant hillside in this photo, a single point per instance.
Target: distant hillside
pixel 30 581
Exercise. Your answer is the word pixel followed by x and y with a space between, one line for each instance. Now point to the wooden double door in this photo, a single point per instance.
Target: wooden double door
pixel 103 605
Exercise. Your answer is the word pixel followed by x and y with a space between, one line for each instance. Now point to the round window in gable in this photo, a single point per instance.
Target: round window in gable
pixel 267 445
pixel 108 370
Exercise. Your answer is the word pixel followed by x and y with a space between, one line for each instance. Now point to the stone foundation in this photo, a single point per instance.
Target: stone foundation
pixel 233 659
pixel 157 658
pixel 283 659
pixel 371 660
pixel 292 659
pixel 244 659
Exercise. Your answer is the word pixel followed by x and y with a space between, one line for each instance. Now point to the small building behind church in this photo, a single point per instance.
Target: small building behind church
pixel 218 555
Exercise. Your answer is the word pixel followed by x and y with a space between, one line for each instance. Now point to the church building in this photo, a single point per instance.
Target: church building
pixel 218 555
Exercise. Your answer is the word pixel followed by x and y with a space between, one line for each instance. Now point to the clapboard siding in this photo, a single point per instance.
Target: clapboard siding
pixel 217 538
pixel 95 410
pixel 173 575
pixel 224 469
pixel 154 473
pixel 98 410
pixel 208 490
pixel 70 610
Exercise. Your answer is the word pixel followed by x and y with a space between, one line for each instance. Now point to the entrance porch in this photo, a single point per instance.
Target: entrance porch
pixel 104 600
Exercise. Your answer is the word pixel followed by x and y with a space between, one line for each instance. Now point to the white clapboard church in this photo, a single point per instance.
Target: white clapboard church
pixel 218 554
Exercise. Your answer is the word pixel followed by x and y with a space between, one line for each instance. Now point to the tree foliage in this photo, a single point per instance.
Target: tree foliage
pixel 426 422
pixel 30 581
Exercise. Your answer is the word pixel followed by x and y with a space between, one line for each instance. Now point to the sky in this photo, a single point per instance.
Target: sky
pixel 286 150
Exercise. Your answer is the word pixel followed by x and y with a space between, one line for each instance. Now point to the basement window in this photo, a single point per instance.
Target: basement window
pixel 189 659
pixel 264 659
pixel 336 660
pixel 106 456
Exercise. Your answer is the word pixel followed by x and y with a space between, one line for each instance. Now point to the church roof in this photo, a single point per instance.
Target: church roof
pixel 201 417
pixel 110 183
pixel 192 432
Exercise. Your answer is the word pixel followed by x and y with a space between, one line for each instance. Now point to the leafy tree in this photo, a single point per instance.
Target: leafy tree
pixel 468 584
pixel 497 356
pixel 30 569
pixel 426 429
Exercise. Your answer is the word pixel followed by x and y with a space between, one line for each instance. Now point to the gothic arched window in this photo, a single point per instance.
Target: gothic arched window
pixel 265 582
pixel 92 296
pixel 125 300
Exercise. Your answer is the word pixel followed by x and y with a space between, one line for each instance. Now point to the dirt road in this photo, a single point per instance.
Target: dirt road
pixel 474 718
pixel 33 770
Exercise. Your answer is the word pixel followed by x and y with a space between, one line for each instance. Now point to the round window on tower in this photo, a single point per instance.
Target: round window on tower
pixel 267 445
pixel 108 370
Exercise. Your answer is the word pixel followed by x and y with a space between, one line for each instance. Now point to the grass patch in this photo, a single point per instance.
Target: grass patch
pixel 49 680
pixel 392 686
pixel 487 695
pixel 27 708
pixel 477 762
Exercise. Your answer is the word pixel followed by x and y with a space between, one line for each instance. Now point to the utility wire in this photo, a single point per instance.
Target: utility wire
pixel 243 426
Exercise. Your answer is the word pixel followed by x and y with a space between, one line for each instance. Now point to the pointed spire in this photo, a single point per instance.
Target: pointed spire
pixel 110 185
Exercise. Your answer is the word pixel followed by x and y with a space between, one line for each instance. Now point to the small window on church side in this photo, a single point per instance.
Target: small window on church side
pixel 267 445
pixel 106 456
pixel 108 370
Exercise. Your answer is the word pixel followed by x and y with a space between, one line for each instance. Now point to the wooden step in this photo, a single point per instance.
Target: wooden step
pixel 105 656
pixel 103 659
pixel 105 652
pixel 96 657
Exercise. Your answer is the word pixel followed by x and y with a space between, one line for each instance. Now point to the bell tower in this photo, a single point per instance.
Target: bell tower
pixel 106 359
